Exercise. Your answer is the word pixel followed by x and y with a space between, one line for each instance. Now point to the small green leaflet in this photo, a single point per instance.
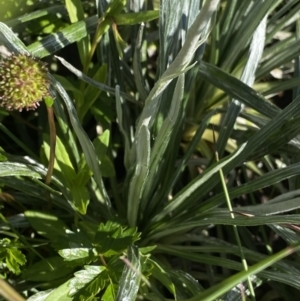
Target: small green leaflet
pixel 87 283
pixel 11 256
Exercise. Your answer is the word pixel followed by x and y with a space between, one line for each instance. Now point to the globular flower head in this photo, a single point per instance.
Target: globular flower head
pixel 23 82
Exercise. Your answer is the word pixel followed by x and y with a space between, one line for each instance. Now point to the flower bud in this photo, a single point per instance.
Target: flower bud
pixel 23 82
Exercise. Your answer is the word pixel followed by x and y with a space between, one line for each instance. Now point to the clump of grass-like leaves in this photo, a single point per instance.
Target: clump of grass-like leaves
pixel 175 173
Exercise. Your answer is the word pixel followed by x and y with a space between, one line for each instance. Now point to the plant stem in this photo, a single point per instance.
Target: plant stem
pixel 236 233
pixel 52 130
pixel 8 292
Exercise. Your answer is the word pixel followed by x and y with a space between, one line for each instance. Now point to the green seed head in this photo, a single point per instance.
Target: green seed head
pixel 23 82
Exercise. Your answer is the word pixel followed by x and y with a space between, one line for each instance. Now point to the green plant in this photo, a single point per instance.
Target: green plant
pixel 164 197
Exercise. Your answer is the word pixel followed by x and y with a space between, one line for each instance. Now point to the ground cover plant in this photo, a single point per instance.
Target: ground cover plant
pixel 149 150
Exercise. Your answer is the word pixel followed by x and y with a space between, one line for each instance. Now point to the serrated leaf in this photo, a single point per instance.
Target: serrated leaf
pixel 75 247
pixel 87 283
pixel 61 293
pixel 78 256
pixel 14 258
pixel 111 238
pixel 40 296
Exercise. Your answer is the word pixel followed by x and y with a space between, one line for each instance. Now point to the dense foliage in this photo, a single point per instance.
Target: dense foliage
pixel 163 160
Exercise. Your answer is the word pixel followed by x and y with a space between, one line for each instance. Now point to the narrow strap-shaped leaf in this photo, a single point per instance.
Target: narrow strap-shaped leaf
pixel 296 90
pixel 254 143
pixel 8 169
pixel 219 289
pixel 265 180
pixel 169 32
pixel 180 63
pixel 287 234
pixel 237 89
pixel 218 217
pixel 291 12
pixel 138 75
pixel 137 183
pixel 76 14
pixel 177 67
pixel 36 14
pixel 123 126
pixel 92 82
pixel 191 148
pixel 162 140
pixel 63 123
pixel 271 208
pixel 21 144
pixel 245 31
pixel 279 58
pixel 11 41
pixel 131 276
pixel 59 40
pixel 136 18
pixel 248 77
pixel 179 199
